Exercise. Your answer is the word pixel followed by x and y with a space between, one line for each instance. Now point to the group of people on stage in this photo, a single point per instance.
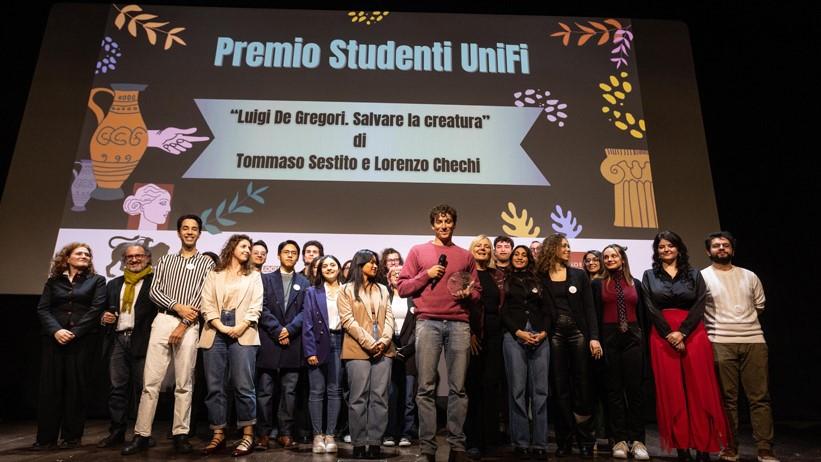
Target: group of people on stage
pixel 509 320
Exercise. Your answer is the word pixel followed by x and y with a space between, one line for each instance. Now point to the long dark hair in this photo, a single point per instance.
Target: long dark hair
pixel 527 274
pixel 359 260
pixel 597 254
pixel 228 251
pixel 319 279
pixel 682 260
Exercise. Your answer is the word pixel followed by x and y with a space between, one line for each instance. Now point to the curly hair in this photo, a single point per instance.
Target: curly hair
pixel 228 251
pixel 682 260
pixel 549 256
pixel 133 204
pixel 59 264
pixel 442 209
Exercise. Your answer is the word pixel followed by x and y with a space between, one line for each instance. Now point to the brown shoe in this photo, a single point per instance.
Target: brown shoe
pixel 286 441
pixel 263 443
pixel 245 447
pixel 728 455
pixel 766 455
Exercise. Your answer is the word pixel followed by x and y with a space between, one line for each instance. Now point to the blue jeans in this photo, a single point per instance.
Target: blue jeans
pixel 240 361
pixel 368 407
pixel 433 336
pixel 527 374
pixel 326 379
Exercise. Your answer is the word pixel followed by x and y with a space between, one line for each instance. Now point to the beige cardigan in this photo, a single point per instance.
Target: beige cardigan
pixel 249 309
pixel 357 321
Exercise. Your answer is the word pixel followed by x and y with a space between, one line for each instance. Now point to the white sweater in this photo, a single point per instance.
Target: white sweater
pixel 734 299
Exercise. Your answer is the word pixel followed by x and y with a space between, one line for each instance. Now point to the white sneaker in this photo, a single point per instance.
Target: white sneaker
pixel 389 442
pixel 347 439
pixel 639 451
pixel 620 450
pixel 319 444
pixel 330 443
pixel 404 442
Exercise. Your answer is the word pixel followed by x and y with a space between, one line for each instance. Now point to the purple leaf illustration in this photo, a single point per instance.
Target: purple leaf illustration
pixel 565 223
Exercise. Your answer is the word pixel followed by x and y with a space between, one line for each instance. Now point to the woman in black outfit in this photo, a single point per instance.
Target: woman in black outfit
pixel 69 310
pixel 485 375
pixel 574 338
pixel 527 355
pixel 622 326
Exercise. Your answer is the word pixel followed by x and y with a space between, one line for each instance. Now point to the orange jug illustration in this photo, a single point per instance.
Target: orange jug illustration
pixel 119 141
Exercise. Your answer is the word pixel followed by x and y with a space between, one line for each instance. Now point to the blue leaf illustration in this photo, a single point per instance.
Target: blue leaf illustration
pixel 250 189
pixel 220 209
pixel 565 223
pixel 212 229
pixel 226 221
pixel 260 190
pixel 257 198
pixel 243 209
pixel 233 203
pixel 204 215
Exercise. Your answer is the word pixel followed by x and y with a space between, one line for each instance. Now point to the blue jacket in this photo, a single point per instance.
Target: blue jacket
pixel 315 331
pixel 276 314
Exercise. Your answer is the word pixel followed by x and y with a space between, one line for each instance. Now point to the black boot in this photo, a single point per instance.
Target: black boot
pixel 683 455
pixel 111 440
pixel 702 456
pixel 359 452
pixel 374 452
pixel 138 444
pixel 181 444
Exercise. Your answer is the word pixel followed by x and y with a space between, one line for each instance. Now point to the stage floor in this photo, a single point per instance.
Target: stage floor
pixel 795 442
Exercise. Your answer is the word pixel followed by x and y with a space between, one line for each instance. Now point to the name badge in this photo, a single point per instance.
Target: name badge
pixel 189 266
pixel 572 289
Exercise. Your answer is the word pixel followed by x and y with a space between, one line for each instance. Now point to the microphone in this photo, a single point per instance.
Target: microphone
pixel 443 261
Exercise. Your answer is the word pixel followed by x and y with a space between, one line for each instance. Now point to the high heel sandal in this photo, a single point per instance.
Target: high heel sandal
pixel 245 446
pixel 217 444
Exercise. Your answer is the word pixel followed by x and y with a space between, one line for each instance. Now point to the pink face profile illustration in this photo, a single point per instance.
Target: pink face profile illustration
pixel 152 203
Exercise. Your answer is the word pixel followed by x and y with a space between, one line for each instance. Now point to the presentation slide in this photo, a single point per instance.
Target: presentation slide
pixel 349 126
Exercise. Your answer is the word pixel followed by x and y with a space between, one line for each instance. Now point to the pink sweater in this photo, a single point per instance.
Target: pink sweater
pixel 437 302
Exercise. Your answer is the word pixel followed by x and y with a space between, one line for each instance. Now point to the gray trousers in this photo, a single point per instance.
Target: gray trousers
pixel 368 383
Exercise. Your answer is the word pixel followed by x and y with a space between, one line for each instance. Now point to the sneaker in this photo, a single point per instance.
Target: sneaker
pixel 404 442
pixel 766 455
pixel 639 451
pixel 389 442
pixel 319 444
pixel 620 450
pixel 330 443
pixel 728 455
pixel 347 439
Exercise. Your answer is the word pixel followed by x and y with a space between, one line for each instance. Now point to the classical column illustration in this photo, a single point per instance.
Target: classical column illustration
pixel 633 197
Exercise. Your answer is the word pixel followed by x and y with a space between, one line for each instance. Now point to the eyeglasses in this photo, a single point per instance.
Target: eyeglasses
pixel 138 256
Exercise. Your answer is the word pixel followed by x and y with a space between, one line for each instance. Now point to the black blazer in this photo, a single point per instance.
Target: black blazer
pixel 144 312
pixel 73 306
pixel 275 316
pixel 580 298
pixel 407 340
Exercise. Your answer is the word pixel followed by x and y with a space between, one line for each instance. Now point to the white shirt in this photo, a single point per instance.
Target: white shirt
pixel 399 306
pixel 126 320
pixel 333 311
pixel 734 299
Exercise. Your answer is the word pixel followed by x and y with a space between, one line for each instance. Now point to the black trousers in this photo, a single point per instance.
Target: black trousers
pixel 484 384
pixel 570 370
pixel 126 373
pixel 624 359
pixel 63 383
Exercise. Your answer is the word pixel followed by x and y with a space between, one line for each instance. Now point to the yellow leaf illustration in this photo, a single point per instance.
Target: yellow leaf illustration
pixel 152 36
pixel 522 225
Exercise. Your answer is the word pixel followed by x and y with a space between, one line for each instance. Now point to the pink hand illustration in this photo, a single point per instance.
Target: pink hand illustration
pixel 174 140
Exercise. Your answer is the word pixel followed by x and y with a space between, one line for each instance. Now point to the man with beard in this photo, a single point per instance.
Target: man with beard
pixel 128 317
pixel 734 300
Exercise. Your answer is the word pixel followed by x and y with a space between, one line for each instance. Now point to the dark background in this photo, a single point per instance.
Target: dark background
pixel 754 68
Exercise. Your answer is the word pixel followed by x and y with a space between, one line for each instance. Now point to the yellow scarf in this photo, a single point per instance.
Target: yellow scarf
pixel 131 279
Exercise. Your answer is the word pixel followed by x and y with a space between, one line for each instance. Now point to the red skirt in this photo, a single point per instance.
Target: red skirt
pixel 688 400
